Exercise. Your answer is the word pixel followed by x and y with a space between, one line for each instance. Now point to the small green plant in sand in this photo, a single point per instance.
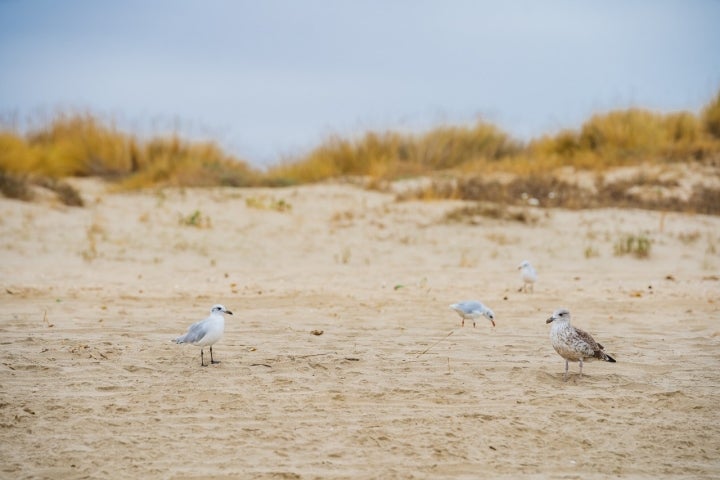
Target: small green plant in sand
pixel 636 245
pixel 196 219
pixel 262 202
pixel 591 252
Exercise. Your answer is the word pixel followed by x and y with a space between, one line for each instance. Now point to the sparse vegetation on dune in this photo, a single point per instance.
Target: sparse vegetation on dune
pixel 613 139
pixel 81 146
pixel 23 187
pixel 463 162
pixel 393 155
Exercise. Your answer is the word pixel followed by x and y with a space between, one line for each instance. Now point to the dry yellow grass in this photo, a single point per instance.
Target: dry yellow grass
pixel 82 145
pixel 617 138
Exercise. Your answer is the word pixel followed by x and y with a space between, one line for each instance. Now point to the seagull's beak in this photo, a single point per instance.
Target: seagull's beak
pixel 228 312
pixel 492 321
pixel 549 320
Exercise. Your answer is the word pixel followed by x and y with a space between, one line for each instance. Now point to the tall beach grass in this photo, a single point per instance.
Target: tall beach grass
pixel 82 145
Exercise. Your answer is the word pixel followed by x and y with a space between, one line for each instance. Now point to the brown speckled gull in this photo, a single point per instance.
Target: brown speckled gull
pixel 573 344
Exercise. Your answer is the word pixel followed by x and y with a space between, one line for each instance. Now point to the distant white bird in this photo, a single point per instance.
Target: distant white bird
pixel 472 310
pixel 528 275
pixel 573 344
pixel 206 332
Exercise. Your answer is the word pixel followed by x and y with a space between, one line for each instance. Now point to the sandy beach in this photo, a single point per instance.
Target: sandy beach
pixel 342 358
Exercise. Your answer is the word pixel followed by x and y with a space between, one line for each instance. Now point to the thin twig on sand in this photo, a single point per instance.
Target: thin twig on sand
pixel 431 346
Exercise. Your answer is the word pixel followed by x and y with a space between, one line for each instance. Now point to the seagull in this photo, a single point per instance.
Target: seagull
pixel 206 332
pixel 573 344
pixel 528 275
pixel 472 310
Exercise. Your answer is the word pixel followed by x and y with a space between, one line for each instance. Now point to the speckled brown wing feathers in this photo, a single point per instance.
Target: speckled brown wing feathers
pixel 595 346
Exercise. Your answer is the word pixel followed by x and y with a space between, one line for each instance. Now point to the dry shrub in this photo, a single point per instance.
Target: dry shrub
pixel 711 117
pixel 65 192
pixel 174 162
pixel 549 191
pixel 80 145
pixel 622 134
pixel 705 200
pixel 434 189
pixel 15 186
pixel 473 213
pixel 537 190
pixel 19 187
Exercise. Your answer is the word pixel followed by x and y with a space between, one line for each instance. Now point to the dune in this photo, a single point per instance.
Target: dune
pixel 342 359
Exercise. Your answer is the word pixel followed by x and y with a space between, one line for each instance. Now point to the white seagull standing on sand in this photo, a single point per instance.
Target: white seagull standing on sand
pixel 573 344
pixel 472 310
pixel 206 332
pixel 528 275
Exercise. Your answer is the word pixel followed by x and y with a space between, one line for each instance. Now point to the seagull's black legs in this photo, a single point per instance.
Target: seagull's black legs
pixel 566 371
pixel 202 358
pixel 581 362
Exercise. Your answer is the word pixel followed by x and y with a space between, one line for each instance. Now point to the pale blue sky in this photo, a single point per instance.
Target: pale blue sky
pixel 270 79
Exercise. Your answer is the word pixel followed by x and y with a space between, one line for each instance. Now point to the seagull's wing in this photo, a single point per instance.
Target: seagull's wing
pixel 472 306
pixel 598 351
pixel 586 343
pixel 195 332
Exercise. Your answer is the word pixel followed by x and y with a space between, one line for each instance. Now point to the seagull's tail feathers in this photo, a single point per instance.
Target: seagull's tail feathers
pixel 604 356
pixel 180 339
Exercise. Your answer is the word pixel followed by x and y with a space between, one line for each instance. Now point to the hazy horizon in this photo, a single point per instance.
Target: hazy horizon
pixel 272 79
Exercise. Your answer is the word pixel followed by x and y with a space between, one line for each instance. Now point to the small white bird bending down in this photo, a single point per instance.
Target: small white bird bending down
pixel 573 344
pixel 206 332
pixel 472 310
pixel 528 275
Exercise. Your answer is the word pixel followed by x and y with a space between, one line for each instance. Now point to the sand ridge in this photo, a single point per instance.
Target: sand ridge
pixel 92 387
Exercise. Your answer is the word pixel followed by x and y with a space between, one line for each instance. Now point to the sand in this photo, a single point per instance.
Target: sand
pixel 92 387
